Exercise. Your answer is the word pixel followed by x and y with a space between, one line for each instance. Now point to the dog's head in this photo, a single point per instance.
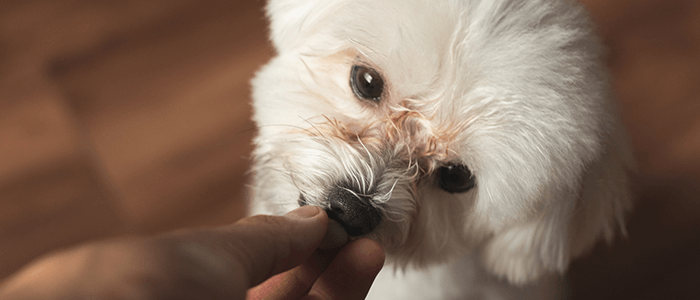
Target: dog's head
pixel 440 127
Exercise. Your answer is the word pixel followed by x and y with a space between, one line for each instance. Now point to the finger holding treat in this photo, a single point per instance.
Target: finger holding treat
pixel 337 270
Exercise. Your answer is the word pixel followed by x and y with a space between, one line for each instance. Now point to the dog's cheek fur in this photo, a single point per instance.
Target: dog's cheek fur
pixel 437 231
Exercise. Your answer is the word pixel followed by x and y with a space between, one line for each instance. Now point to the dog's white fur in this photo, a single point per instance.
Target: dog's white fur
pixel 514 89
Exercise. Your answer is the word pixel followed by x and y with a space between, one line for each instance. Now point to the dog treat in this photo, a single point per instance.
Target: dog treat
pixel 335 237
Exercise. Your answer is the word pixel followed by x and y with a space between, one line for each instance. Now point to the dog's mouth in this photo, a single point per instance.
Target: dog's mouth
pixel 356 213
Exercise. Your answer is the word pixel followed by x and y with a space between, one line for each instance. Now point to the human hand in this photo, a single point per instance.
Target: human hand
pixel 219 263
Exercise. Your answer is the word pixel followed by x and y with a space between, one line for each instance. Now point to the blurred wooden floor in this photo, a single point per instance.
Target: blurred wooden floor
pixel 132 117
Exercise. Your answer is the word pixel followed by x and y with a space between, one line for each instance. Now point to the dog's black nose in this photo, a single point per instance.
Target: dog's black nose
pixel 354 212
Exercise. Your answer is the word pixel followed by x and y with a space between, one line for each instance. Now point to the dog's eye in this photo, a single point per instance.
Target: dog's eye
pixel 366 83
pixel 456 178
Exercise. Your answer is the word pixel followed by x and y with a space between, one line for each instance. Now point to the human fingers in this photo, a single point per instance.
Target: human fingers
pixel 351 274
pixel 254 248
pixel 295 283
pixel 215 263
pixel 354 269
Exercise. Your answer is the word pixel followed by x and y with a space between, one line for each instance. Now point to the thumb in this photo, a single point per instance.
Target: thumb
pixel 269 245
pixel 258 247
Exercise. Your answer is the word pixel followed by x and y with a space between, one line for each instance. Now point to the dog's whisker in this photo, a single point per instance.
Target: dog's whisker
pixel 308 121
pixel 367 166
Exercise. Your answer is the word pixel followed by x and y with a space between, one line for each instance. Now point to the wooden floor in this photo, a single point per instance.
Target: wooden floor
pixel 132 116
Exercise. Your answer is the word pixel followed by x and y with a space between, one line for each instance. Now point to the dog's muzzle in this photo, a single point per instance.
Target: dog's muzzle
pixel 354 212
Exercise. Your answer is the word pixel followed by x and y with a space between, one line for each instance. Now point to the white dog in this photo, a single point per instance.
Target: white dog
pixel 475 140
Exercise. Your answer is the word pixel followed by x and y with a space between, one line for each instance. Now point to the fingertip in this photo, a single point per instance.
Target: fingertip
pixel 266 245
pixel 304 212
pixel 310 220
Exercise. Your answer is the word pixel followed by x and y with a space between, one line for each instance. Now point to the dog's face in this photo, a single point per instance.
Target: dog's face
pixel 441 127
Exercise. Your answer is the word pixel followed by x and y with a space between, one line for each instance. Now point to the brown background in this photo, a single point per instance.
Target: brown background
pixel 132 116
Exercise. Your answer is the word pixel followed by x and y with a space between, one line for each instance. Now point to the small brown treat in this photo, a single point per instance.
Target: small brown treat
pixel 335 237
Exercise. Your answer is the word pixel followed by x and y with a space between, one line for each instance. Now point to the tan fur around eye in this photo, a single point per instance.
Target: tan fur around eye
pixel 408 134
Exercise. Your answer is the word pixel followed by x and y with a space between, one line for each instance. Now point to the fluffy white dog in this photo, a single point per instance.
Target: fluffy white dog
pixel 475 140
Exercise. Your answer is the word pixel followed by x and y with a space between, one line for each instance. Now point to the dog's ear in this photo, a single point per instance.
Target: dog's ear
pixel 290 19
pixel 605 197
pixel 566 229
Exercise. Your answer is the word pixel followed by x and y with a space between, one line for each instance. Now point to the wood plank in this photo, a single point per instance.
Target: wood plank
pixel 52 194
pixel 167 109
